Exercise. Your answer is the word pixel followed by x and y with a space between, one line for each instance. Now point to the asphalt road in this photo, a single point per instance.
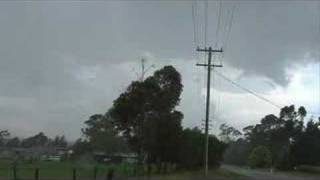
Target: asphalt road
pixel 252 174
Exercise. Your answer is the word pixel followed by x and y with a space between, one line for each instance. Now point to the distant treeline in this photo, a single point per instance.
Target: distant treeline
pixel 38 140
pixel 283 141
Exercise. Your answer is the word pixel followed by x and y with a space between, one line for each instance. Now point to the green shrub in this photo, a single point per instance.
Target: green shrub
pixel 260 157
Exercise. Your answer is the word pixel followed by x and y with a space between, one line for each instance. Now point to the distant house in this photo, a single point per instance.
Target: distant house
pixel 6 154
pixel 42 153
pixel 115 158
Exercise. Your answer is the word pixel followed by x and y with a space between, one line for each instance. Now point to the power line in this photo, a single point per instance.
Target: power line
pixel 218 24
pixel 256 94
pixel 205 22
pixel 194 8
pixel 230 26
pixel 319 53
pixel 247 90
pixel 206 4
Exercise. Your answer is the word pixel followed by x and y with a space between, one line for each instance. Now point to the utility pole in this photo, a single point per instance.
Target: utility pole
pixel 143 72
pixel 143 61
pixel 209 66
pixel 143 69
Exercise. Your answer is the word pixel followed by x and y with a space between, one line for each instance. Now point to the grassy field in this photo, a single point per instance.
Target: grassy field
pixel 61 169
pixel 85 170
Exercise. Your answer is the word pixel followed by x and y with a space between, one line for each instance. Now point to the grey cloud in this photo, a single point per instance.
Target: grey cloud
pixel 67 60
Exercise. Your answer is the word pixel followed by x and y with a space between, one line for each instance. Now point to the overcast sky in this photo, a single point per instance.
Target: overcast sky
pixel 62 61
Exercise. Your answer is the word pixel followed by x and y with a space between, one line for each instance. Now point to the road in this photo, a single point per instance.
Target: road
pixel 266 174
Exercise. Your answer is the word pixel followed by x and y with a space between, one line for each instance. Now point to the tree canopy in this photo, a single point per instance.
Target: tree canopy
pixel 145 114
pixel 288 139
pixel 145 117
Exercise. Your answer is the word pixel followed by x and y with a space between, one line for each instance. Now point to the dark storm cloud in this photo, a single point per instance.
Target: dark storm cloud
pixel 269 37
pixel 62 61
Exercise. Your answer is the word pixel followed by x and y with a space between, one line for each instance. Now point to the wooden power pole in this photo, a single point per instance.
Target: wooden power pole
pixel 209 67
pixel 144 70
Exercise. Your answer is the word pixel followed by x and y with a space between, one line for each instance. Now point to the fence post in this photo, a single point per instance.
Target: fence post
pixel 74 174
pixel 110 174
pixel 149 170
pixel 14 172
pixel 95 172
pixel 36 174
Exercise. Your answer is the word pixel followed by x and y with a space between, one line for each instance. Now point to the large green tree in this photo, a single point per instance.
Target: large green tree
pixel 58 141
pixel 192 149
pixel 307 147
pixel 3 134
pixel 38 140
pixel 260 157
pixel 228 133
pixel 102 135
pixel 278 134
pixel 145 114
pixel 13 142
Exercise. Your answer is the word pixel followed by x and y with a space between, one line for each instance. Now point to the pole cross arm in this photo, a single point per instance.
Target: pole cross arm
pixel 212 65
pixel 209 50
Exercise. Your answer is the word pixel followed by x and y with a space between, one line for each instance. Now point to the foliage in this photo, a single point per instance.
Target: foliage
pixel 3 134
pixel 192 151
pixel 306 149
pixel 58 141
pixel 288 140
pixel 80 147
pixel 237 152
pixel 102 135
pixel 38 140
pixel 279 134
pixel 162 136
pixel 145 114
pixel 13 142
pixel 260 157
pixel 228 133
pixel 145 117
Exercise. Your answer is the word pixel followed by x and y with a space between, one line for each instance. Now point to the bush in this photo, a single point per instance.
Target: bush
pixel 260 157
pixel 192 148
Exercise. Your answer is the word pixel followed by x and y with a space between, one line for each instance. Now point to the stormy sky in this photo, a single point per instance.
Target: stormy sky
pixel 62 61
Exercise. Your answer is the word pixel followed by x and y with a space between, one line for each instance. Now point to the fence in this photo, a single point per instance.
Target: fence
pixel 54 172
pixel 20 173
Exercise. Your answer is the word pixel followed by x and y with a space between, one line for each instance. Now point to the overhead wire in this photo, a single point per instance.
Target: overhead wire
pixel 247 90
pixel 194 23
pixel 218 24
pixel 206 4
pixel 195 28
pixel 205 22
pixel 227 37
pixel 216 101
pixel 229 27
pixel 276 105
pixel 200 25
pixel 319 55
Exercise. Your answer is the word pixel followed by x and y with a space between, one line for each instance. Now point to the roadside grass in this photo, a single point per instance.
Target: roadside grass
pixel 190 175
pixel 306 170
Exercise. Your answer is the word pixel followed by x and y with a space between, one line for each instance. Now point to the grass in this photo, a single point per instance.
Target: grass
pixel 49 169
pixel 61 169
pixel 188 175
pixel 306 170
